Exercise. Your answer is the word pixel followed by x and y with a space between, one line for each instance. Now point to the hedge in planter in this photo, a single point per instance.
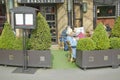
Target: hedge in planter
pixel 86 44
pixel 115 45
pixel 101 38
pixel 116 28
pixel 94 53
pixel 39 44
pixel 40 38
pixel 9 45
pixel 8 40
pixel 7 37
pixel 115 41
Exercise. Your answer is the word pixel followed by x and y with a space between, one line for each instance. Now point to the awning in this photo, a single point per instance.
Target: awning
pixel 40 1
pixel 106 1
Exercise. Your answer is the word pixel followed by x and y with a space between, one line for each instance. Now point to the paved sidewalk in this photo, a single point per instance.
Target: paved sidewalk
pixel 6 73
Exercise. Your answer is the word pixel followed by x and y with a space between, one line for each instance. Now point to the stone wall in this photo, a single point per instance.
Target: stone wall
pixel 61 17
pixel 88 16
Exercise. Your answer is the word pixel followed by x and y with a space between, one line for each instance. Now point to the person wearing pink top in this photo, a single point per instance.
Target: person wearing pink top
pixel 81 35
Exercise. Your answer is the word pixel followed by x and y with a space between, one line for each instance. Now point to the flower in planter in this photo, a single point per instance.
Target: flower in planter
pixel 101 38
pixel 40 38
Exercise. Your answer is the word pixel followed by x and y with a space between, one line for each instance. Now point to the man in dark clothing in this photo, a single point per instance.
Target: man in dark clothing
pixel 108 27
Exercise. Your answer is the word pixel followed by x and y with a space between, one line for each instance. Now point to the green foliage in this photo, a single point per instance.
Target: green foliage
pixel 101 38
pixel 7 37
pixel 115 43
pixel 40 38
pixel 86 44
pixel 116 28
pixel 18 45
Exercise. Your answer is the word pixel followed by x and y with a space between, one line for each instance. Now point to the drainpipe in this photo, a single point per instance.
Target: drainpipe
pixel 81 13
pixel 73 13
pixel 7 11
pixel 94 15
pixel 70 8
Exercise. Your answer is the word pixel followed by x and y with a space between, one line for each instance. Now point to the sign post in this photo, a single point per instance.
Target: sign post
pixel 24 18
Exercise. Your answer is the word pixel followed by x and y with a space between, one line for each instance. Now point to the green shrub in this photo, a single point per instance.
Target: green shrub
pixel 85 44
pixel 101 38
pixel 40 38
pixel 116 28
pixel 7 37
pixel 115 43
pixel 18 45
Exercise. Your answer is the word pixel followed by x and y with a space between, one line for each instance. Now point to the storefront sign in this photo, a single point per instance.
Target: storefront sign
pixel 40 1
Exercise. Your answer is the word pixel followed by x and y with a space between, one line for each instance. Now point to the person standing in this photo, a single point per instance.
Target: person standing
pixel 73 42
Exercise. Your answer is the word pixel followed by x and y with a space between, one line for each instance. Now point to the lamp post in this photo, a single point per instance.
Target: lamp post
pixel 70 8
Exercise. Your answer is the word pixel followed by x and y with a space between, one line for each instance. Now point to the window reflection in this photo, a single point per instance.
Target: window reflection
pixel 104 11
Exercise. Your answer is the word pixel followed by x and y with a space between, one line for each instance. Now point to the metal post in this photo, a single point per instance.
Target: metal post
pixel 69 18
pixel 24 50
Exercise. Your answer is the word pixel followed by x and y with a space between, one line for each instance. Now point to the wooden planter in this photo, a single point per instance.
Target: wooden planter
pixel 35 58
pixel 97 58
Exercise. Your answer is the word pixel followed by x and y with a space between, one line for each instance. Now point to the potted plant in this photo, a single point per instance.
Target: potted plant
pixel 10 47
pixel 96 55
pixel 115 42
pixel 39 44
pixel 83 54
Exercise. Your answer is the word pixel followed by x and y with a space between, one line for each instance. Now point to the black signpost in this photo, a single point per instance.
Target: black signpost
pixel 24 18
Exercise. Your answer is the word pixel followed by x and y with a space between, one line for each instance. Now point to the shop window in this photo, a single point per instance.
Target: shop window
pixel 105 11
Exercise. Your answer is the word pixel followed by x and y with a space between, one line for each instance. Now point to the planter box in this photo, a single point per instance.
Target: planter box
pixel 97 58
pixel 116 57
pixel 11 57
pixel 35 58
pixel 40 58
pixel 3 57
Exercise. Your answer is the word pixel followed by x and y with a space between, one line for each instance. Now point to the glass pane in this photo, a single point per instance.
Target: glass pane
pixel 49 9
pixel 50 17
pixel 105 11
